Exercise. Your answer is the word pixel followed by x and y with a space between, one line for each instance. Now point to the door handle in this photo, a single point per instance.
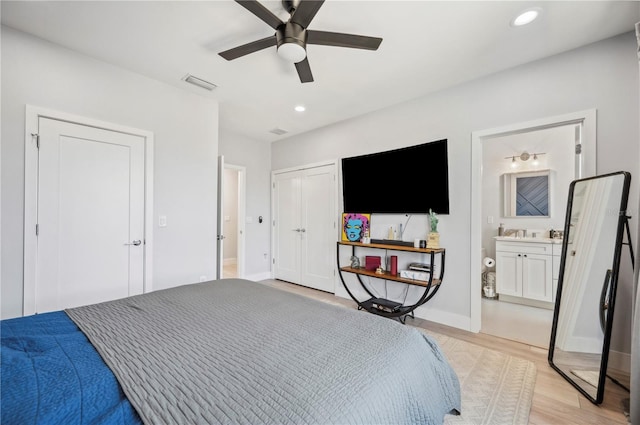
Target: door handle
pixel 296 230
pixel 303 230
pixel 136 242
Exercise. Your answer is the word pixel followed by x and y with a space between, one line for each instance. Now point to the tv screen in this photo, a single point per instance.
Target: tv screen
pixel 408 180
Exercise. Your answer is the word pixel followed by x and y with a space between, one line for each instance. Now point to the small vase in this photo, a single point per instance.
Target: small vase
pixel 434 240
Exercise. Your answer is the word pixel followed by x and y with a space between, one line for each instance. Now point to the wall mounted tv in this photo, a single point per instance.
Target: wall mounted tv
pixel 408 180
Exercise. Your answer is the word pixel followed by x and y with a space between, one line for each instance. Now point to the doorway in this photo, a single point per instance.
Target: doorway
pixel 233 216
pixel 488 316
pixel 305 225
pixel 87 209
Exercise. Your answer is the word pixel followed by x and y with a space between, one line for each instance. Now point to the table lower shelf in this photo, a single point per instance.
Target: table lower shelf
pixel 384 307
pixel 388 276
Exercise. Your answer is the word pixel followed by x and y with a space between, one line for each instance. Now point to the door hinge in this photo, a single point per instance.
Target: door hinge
pixel 273 261
pixel 578 148
pixel 37 136
pixel 37 229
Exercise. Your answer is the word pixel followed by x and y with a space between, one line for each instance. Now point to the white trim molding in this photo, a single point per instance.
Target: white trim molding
pixel 585 167
pixel 32 116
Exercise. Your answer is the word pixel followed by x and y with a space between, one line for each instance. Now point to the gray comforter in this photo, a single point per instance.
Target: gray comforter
pixel 239 352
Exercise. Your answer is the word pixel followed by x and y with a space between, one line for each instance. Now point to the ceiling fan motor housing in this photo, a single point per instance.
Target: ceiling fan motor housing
pixel 291 33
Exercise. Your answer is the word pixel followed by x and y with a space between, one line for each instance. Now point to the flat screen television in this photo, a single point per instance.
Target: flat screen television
pixel 408 180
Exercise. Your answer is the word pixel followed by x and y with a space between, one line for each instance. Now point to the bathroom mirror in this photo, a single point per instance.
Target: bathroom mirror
pixel 594 229
pixel 526 194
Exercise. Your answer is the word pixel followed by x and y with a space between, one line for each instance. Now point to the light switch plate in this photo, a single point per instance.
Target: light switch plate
pixel 162 221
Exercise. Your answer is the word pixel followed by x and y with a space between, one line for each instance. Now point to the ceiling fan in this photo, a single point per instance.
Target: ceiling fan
pixel 292 37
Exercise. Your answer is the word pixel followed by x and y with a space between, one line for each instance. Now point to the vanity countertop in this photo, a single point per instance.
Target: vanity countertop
pixel 528 240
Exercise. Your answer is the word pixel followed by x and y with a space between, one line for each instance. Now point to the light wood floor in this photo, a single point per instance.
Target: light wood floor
pixel 229 270
pixel 555 401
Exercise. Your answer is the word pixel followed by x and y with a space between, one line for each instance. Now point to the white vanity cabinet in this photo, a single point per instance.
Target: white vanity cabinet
pixel 527 270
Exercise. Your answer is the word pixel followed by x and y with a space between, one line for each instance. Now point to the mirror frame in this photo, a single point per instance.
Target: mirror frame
pixel 510 187
pixel 613 281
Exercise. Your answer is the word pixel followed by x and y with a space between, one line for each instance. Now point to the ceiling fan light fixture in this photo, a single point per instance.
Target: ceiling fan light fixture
pixel 292 52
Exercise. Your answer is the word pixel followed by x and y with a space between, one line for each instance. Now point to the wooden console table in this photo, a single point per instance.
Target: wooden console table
pixel 373 304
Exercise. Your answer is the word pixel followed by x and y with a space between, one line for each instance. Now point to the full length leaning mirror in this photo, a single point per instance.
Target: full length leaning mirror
pixel 594 230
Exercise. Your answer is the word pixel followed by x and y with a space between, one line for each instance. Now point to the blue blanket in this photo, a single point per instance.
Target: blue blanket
pixel 51 374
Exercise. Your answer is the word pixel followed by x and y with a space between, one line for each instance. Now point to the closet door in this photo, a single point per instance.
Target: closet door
pixel 286 194
pixel 305 227
pixel 318 236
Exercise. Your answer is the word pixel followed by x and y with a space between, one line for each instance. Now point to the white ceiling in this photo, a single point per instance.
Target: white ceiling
pixel 427 46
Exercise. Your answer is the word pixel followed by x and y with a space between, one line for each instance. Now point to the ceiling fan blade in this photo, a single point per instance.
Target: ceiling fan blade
pixel 304 71
pixel 261 12
pixel 245 49
pixel 337 39
pixel 305 12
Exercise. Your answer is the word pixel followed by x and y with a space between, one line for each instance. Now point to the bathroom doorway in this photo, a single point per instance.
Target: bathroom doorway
pixel 234 219
pixel 565 146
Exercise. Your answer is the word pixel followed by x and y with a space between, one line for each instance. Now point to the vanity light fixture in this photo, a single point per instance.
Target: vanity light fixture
pixel 535 159
pixel 300 108
pixel 525 156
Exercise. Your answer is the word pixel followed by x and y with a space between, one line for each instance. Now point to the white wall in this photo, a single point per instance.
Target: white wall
pixel 256 157
pixel 558 144
pixel 185 126
pixel 602 76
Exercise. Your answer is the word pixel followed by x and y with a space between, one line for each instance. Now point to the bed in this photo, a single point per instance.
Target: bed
pixel 230 351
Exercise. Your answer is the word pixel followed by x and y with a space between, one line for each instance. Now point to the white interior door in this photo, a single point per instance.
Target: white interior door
pixel 318 225
pixel 220 220
pixel 90 243
pixel 287 227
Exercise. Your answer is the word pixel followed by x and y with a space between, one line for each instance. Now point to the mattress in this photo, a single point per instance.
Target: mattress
pixel 225 352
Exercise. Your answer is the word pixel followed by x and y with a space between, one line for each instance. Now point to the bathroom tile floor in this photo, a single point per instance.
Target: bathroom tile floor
pixel 529 325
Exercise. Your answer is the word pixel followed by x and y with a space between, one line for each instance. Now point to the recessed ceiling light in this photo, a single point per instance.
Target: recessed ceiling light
pixel 526 17
pixel 300 108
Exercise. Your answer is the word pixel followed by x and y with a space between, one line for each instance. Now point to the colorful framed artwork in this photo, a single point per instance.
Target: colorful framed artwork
pixel 355 226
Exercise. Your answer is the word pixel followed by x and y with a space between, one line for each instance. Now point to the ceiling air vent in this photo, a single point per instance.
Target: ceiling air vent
pixel 199 82
pixel 278 131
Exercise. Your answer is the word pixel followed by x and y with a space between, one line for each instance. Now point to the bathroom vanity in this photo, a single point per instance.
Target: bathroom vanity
pixel 527 270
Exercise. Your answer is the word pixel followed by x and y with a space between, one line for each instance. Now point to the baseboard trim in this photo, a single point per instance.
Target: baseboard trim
pixel 258 276
pixel 427 313
pixel 444 318
pixel 619 361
